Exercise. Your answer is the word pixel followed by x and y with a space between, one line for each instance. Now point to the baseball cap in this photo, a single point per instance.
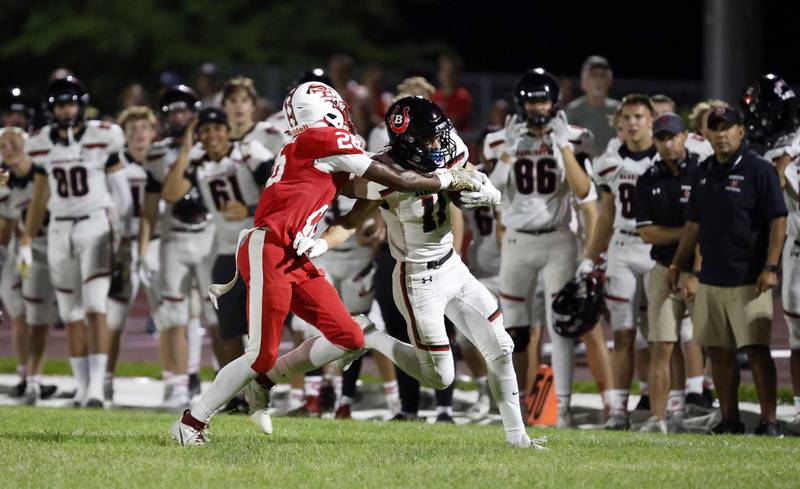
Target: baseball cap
pixel 211 114
pixel 723 115
pixel 668 122
pixel 595 61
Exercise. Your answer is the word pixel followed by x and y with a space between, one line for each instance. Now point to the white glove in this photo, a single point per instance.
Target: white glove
pixel 585 268
pixel 24 260
pixel 560 131
pixel 514 129
pixel 310 247
pixel 463 179
pixel 487 196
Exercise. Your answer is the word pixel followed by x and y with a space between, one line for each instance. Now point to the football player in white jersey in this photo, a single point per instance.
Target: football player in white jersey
pixel 428 282
pixel 629 259
pixel 229 177
pixel 75 180
pixel 540 178
pixel 768 105
pixel 185 250
pixel 139 124
pixel 239 99
pixel 28 296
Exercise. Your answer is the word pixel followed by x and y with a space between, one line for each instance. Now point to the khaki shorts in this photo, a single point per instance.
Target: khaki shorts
pixel 732 317
pixel 666 311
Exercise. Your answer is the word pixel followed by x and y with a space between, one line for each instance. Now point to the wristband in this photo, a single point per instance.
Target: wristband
pixel 445 180
pixel 771 268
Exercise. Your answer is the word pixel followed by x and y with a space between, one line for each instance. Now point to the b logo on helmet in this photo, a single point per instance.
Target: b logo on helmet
pixel 399 122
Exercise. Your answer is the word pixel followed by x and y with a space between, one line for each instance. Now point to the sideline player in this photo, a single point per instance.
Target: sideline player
pixel 629 261
pixel 75 180
pixel 308 173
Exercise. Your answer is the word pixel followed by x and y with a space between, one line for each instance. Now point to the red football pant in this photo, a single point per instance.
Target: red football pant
pixel 278 281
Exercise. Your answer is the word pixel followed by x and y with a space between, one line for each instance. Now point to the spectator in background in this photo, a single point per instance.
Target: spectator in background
pixel 592 110
pixel 377 98
pixel 133 95
pixel 168 79
pixel 662 103
pixel 208 86
pixel 497 115
pixel 341 71
pixel 452 98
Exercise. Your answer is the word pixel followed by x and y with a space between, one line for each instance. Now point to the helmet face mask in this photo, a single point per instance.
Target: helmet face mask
pixel 177 104
pixel 65 91
pixel 420 134
pixel 578 305
pixel 769 109
pixel 534 87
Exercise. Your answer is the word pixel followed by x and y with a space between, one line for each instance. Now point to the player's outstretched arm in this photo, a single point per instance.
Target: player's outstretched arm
pixel 411 181
pixel 176 185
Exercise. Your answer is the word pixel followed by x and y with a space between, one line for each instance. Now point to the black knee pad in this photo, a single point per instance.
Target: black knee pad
pixel 521 337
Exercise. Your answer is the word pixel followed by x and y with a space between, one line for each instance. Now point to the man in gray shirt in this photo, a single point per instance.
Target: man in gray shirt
pixel 592 110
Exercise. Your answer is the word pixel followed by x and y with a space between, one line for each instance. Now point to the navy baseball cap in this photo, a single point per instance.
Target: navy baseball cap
pixel 669 123
pixel 728 116
pixel 211 114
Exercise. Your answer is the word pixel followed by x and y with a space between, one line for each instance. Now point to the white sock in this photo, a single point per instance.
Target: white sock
pixel 228 382
pixel 401 354
pixel 676 404
pixel 194 336
pixel 35 379
pixel 337 386
pixel 503 384
pixel 619 401
pixel 391 391
pixel 694 385
pixel 345 401
pixel 563 360
pixel 80 370
pixel 97 373
pixel 296 398
pixel 444 409
pixel 312 385
pixel 643 389
pixel 312 353
pixel 180 385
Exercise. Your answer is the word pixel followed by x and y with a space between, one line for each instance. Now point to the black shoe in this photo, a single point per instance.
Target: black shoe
pixel 444 418
pixel 94 403
pixel 194 385
pixel 401 416
pixel 150 327
pixel 19 389
pixel 644 403
pixel 699 400
pixel 47 390
pixel 708 395
pixel 765 428
pixel 728 427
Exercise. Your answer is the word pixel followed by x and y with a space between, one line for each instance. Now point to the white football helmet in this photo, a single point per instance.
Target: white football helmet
pixel 313 102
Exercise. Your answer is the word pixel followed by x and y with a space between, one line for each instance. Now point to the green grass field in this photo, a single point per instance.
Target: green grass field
pixel 82 448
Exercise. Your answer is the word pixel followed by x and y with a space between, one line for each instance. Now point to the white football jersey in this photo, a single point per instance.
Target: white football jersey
pixel 617 172
pixel 789 145
pixel 699 145
pixel 230 178
pixel 266 133
pixel 14 200
pixel 419 225
pixel 76 172
pixel 536 195
pixel 160 158
pixel 137 180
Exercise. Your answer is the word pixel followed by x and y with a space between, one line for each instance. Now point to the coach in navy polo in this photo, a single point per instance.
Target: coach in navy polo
pixel 737 211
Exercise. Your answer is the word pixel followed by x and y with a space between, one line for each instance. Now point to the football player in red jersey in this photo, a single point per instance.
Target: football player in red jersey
pixel 307 175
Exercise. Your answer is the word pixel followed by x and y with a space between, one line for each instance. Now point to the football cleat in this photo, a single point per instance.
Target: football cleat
pixel 311 409
pixel 343 412
pixel 643 404
pixel 108 390
pixel 617 422
pixel 766 428
pixel 95 404
pixel 402 416
pixel 178 401
pixel 189 431
pixel 727 427
pixel 19 389
pixel 263 420
pixel 654 425
pixel 445 418
pixel 480 409
pixel 32 394
pixel 564 418
pixel 46 391
pixel 525 442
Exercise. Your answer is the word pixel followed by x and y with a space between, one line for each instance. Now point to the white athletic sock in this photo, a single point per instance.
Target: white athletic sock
pixel 296 398
pixel 643 389
pixel 391 391
pixel 312 353
pixel 194 336
pixel 345 401
pixel 563 360
pixel 312 385
pixel 80 370
pixel 676 404
pixel 444 409
pixel 694 385
pixel 22 372
pixel 180 385
pixel 401 354
pixel 228 382
pixel 619 401
pixel 503 384
pixel 97 373
pixel 337 385
pixel 35 379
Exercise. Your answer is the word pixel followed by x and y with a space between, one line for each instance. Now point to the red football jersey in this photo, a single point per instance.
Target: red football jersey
pixel 307 175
